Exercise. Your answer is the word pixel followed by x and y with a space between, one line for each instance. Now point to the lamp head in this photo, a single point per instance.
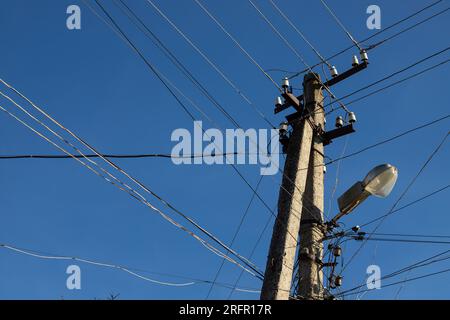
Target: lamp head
pixel 381 180
pixel 378 182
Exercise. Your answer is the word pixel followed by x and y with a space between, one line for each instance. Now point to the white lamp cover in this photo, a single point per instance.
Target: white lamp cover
pixel 381 180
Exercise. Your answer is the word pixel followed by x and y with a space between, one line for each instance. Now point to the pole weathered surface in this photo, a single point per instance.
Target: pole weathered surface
pixel 310 277
pixel 280 262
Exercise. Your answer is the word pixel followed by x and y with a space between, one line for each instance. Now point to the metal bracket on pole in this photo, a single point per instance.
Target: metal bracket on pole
pixel 328 84
pixel 328 136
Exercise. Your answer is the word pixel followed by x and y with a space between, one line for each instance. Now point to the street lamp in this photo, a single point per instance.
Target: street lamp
pixel 378 182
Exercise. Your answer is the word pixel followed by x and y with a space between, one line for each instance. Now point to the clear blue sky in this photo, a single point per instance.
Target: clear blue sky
pixel 94 84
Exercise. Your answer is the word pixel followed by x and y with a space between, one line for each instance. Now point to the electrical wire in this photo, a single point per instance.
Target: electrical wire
pixel 128 41
pixel 118 168
pixel 215 67
pixel 382 142
pixel 210 62
pixel 296 53
pixel 393 74
pixel 137 196
pixel 139 23
pixel 336 180
pixel 393 84
pixel 122 156
pixel 150 34
pixel 157 155
pixel 362 238
pixel 419 264
pixel 117 29
pixel 407 29
pixel 412 182
pixel 216 21
pixel 285 17
pixel 407 205
pixel 266 225
pixel 140 184
pixel 129 270
pixel 247 209
pixel 296 74
pixel 333 14
pixel 412 235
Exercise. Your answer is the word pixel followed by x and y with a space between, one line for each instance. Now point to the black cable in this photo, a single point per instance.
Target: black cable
pixel 119 156
pixel 379 90
pixel 266 225
pixel 407 29
pixel 419 264
pixel 152 68
pixel 128 41
pixel 407 205
pixel 408 187
pixel 403 281
pixel 178 64
pixel 233 166
pixel 385 141
pixel 234 237
pixel 392 74
pixel 412 235
pixel 392 84
pixel 360 238
pixel 162 155
pixel 389 139
pixel 296 74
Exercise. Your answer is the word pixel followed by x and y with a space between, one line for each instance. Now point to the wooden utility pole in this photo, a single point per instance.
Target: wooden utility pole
pixel 283 246
pixel 310 275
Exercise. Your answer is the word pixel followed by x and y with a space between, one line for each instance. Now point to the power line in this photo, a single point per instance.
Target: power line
pixel 123 156
pixel 213 65
pixel 258 240
pixel 209 61
pixel 124 187
pixel 296 53
pixel 377 144
pixel 248 263
pixel 237 43
pixel 333 14
pixel 117 29
pixel 407 205
pixel 299 32
pixel 129 270
pixel 407 29
pixel 297 73
pixel 361 238
pixel 419 264
pixel 409 235
pixel 404 281
pixel 393 74
pixel 138 22
pixel 217 70
pixel 247 209
pixel 393 84
pixel 153 70
pixel 435 151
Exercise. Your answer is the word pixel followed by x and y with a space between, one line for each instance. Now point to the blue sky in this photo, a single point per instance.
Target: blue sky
pixel 95 85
